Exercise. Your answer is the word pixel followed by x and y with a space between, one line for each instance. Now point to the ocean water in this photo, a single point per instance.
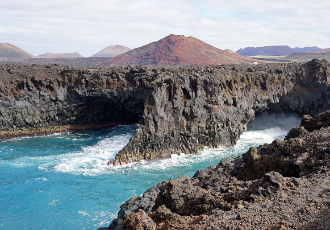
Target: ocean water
pixel 62 181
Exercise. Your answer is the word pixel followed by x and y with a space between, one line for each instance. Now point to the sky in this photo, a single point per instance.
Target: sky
pixel 88 26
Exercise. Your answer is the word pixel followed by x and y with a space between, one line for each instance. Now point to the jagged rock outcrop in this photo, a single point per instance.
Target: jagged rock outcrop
pixel 284 184
pixel 190 108
pixel 178 109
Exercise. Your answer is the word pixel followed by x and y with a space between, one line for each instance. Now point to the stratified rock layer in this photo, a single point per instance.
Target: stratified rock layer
pixel 282 185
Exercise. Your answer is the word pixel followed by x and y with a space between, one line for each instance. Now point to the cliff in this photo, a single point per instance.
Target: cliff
pixel 282 185
pixel 178 109
pixel 42 99
pixel 190 108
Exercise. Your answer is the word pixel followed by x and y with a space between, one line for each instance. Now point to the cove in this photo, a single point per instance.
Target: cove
pixel 62 181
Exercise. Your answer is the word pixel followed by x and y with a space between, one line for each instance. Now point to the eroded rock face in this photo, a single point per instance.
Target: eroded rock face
pixel 190 108
pixel 178 109
pixel 282 185
pixel 35 98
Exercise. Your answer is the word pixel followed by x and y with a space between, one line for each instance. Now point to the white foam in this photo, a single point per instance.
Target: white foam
pixel 246 140
pixel 41 178
pixel 262 136
pixel 90 160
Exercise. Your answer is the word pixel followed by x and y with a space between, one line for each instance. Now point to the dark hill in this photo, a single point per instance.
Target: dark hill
pixel 273 50
pixel 306 49
pixel 266 50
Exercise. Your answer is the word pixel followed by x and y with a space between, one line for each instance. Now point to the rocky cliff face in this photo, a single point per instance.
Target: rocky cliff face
pixel 190 108
pixel 282 185
pixel 178 109
pixel 46 98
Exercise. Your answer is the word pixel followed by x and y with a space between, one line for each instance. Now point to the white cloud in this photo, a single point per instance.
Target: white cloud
pixel 88 26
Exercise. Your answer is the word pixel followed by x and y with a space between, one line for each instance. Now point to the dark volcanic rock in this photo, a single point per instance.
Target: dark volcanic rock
pixel 283 185
pixel 178 109
pixel 190 108
pixel 53 97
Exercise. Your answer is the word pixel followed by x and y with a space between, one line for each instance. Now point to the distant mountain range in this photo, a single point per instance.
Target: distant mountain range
pixel 171 50
pixel 178 50
pixel 61 55
pixel 9 51
pixel 274 50
pixel 112 51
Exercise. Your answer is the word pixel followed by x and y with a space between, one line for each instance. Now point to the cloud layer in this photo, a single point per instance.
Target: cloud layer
pixel 89 26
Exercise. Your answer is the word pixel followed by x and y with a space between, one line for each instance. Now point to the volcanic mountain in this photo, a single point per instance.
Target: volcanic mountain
pixel 9 51
pixel 112 51
pixel 60 55
pixel 178 50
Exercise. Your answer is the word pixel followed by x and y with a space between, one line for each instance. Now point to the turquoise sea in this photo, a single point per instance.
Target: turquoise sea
pixel 62 181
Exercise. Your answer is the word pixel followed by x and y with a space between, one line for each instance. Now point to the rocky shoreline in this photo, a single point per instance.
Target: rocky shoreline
pixel 282 185
pixel 183 109
pixel 178 109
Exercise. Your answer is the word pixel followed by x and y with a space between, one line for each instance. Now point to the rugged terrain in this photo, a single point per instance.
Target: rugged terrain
pixel 282 185
pixel 42 99
pixel 178 50
pixel 178 109
pixel 190 108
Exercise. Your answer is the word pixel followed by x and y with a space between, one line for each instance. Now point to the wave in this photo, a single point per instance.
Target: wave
pixel 211 155
pixel 92 160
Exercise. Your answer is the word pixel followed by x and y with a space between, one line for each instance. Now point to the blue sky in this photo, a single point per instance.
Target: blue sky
pixel 86 26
